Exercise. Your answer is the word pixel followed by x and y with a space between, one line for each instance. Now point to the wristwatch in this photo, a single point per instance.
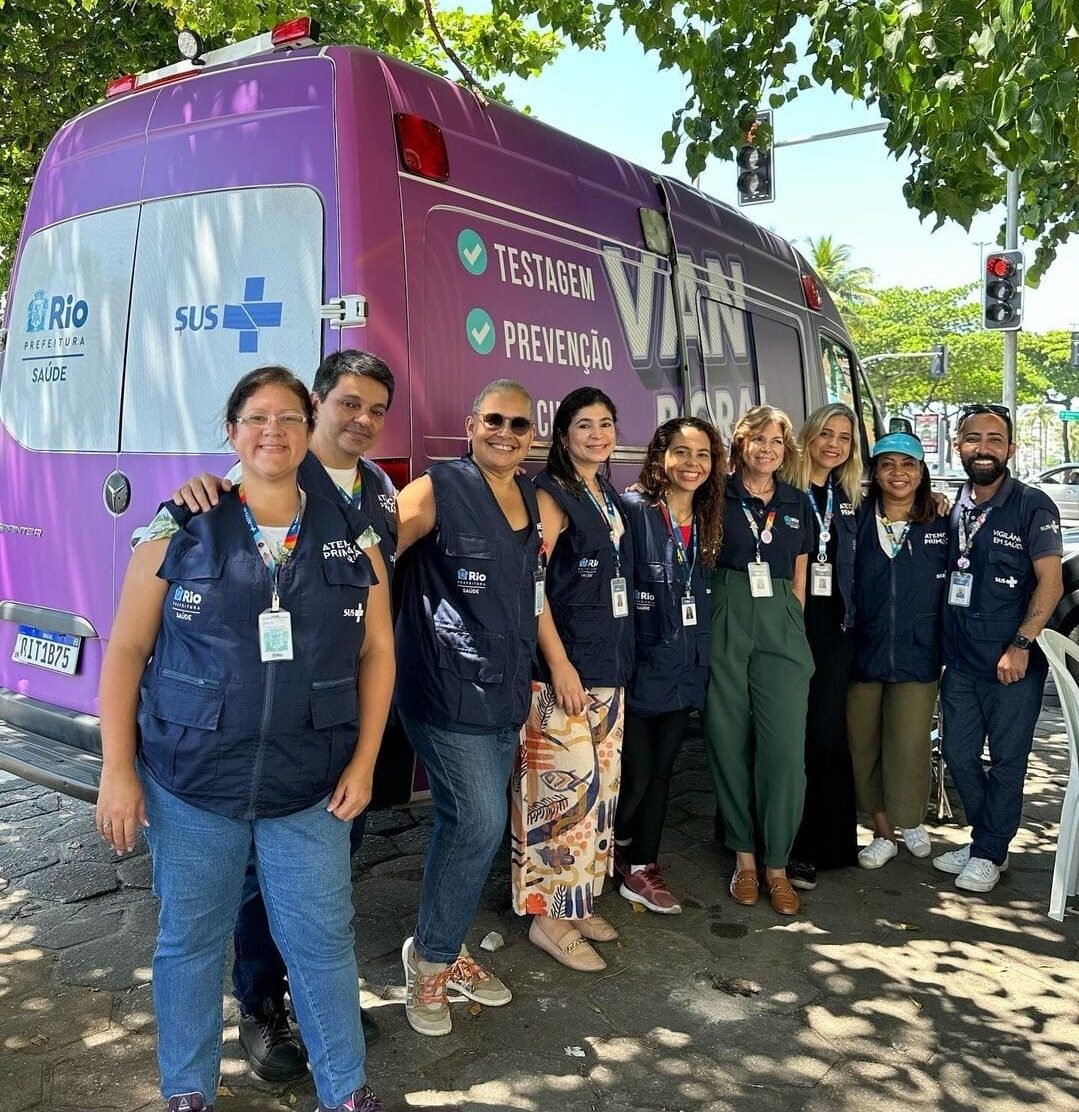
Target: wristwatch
pixel 1021 642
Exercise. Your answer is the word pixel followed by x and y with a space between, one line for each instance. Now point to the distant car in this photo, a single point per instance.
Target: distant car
pixel 948 482
pixel 1062 485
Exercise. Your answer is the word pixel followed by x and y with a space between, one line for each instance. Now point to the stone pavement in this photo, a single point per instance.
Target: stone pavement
pixel 890 991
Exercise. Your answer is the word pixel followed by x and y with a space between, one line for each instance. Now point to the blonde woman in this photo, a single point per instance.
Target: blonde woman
pixel 828 468
pixel 760 664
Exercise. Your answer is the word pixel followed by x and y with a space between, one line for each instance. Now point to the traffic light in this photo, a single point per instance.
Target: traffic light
pixel 1002 290
pixel 1075 351
pixel 938 361
pixel 756 183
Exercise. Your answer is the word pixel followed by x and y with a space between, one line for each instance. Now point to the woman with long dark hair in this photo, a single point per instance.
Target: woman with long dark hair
pixel 676 521
pixel 565 784
pixel 899 583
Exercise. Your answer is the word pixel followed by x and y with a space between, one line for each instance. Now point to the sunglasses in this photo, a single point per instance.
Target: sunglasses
pixel 495 421
pixel 997 410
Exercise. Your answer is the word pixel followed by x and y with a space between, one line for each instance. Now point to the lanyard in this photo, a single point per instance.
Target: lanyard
pixel 289 543
pixel 611 517
pixel 825 523
pixel 897 541
pixel 356 497
pixel 970 521
pixel 684 561
pixel 760 536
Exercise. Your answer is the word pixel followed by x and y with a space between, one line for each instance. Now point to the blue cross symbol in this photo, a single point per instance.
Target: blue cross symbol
pixel 252 314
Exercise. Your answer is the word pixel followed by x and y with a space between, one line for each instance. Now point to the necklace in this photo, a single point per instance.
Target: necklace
pixel 767 489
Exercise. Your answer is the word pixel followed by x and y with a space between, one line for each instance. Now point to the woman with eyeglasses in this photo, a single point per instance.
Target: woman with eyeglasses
pixel 758 682
pixel 246 642
pixel 565 783
pixel 828 467
pixel 466 643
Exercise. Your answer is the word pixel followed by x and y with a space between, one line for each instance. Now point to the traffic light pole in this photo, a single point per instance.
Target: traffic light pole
pixel 1011 338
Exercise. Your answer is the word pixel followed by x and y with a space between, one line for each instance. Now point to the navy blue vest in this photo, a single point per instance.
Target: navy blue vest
pixel 671 670
pixel 378 500
pixel 845 530
pixel 466 634
pixel 219 728
pixel 599 645
pixel 976 636
pixel 899 602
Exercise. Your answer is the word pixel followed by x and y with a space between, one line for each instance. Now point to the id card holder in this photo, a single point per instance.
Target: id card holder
pixel 539 578
pixel 960 588
pixel 820 580
pixel 689 612
pixel 619 598
pixel 275 635
pixel 760 579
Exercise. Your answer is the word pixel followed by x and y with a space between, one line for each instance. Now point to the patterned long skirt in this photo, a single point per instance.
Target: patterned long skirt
pixel 565 791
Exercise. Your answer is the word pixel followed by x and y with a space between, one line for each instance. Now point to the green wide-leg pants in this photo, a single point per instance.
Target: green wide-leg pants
pixel 755 713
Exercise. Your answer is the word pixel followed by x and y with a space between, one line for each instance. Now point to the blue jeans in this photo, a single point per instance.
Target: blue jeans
pixel 469 776
pixel 975 708
pixel 199 860
pixel 258 969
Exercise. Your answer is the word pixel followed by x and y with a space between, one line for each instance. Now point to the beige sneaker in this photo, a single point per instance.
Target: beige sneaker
pixel 468 978
pixel 427 1007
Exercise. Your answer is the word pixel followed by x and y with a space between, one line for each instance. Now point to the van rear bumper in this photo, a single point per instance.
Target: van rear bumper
pixel 48 745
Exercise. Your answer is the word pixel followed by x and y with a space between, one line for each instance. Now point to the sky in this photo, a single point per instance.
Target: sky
pixel 849 188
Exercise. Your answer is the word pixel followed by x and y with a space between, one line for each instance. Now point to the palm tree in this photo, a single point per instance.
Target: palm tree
pixel 850 286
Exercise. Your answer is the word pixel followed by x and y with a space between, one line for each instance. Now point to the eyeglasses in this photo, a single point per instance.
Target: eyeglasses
pixel 265 420
pixel 495 421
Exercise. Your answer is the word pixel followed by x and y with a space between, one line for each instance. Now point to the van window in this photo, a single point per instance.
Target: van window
pixel 224 282
pixel 779 366
pixel 838 366
pixel 67 323
pixel 725 387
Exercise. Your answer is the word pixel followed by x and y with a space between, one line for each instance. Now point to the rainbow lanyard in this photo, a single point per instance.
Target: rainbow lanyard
pixel 684 561
pixel 287 545
pixel 970 521
pixel 357 489
pixel 760 536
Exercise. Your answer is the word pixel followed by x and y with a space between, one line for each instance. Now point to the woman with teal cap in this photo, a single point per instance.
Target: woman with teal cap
pixel 899 578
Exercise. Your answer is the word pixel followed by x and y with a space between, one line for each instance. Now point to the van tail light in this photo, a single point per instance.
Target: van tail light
pixel 399 471
pixel 421 146
pixel 120 85
pixel 811 291
pixel 303 31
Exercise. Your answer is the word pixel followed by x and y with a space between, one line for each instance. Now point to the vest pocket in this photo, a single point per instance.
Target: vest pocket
pixel 471 654
pixel 335 715
pixel 468 546
pixel 188 710
pixel 1006 574
pixel 334 703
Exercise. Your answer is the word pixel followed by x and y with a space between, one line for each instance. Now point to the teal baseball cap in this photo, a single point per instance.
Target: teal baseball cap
pixel 902 443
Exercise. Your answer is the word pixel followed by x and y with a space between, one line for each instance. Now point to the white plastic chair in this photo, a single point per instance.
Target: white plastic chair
pixel 1058 650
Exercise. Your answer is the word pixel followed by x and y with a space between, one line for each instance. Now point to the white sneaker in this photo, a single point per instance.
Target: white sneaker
pixel 980 875
pixel 879 852
pixel 956 861
pixel 916 839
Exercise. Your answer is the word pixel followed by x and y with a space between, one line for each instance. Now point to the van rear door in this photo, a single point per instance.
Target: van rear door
pixel 60 401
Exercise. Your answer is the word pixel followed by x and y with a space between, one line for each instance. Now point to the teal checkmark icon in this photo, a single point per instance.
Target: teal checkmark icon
pixel 480 329
pixel 472 252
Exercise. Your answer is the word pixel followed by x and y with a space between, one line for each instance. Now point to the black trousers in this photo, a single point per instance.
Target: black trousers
pixel 649 748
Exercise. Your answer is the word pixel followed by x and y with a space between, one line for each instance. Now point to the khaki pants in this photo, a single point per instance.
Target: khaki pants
pixel 888 727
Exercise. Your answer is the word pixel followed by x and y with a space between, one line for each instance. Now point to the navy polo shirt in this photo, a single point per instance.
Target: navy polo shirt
pixel 1042 534
pixel 793 528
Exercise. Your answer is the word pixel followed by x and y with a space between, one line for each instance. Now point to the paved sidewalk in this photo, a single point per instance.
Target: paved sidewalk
pixel 890 990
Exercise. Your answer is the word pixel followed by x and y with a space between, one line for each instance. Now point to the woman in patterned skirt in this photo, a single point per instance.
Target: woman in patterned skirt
pixel 565 784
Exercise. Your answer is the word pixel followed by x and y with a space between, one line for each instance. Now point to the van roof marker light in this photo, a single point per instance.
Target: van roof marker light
pixel 303 31
pixel 422 147
pixel 811 292
pixel 292 35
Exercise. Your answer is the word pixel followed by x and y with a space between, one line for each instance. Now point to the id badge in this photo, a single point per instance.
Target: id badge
pixel 275 635
pixel 760 579
pixel 960 588
pixel 689 612
pixel 820 580
pixel 619 598
pixel 537 605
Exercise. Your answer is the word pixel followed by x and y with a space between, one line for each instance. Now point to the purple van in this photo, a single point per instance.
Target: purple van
pixel 281 200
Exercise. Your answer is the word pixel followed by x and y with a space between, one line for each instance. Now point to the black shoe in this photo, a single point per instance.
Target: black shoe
pixel 272 1049
pixel 802 875
pixel 370 1027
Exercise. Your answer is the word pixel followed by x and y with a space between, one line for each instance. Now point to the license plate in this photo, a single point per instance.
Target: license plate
pixel 58 652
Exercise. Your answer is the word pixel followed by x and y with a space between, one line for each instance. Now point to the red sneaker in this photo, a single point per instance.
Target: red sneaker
pixel 648 887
